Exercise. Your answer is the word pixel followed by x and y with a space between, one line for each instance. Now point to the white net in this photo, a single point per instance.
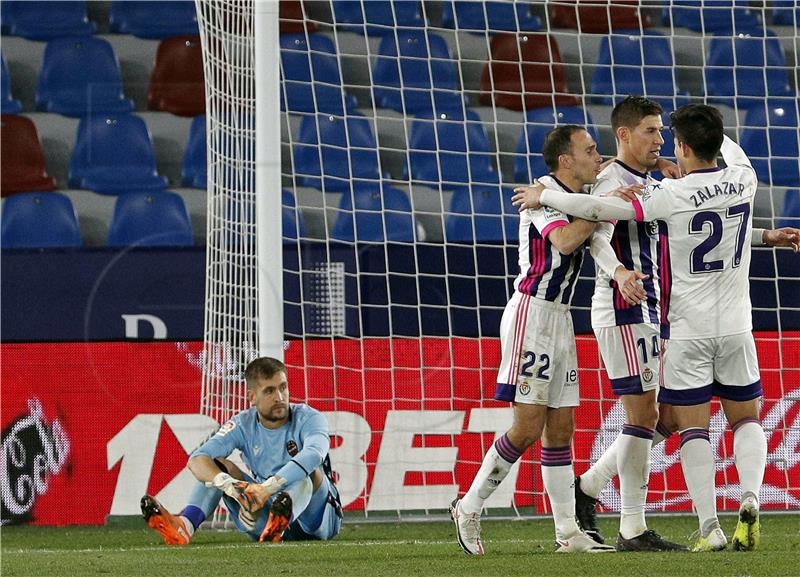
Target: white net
pixel 404 126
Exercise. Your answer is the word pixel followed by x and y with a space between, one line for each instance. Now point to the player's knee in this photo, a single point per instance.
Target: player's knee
pixel 644 417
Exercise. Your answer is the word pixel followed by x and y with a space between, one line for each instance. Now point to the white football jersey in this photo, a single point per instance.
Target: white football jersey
pixel 545 273
pixel 636 246
pixel 705 226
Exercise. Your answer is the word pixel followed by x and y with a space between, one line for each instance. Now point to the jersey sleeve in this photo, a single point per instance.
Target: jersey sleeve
pixel 547 219
pixel 656 203
pixel 316 444
pixel 227 438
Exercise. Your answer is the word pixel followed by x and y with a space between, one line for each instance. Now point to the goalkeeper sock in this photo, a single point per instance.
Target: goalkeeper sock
pixel 495 467
pixel 559 483
pixel 750 454
pixel 697 461
pixel 633 462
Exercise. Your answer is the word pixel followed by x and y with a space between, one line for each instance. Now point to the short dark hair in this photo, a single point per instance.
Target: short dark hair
pixel 632 110
pixel 262 368
pixel 700 127
pixel 557 142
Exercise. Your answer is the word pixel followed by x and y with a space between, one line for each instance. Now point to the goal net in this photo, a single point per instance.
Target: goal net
pixel 403 128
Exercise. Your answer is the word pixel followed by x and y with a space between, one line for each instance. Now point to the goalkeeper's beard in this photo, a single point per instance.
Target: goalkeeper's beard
pixel 275 414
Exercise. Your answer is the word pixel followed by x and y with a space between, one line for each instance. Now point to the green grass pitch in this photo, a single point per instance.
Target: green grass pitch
pixel 386 549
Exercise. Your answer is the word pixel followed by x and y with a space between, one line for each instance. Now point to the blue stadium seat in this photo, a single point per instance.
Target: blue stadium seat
pixel 39 220
pixel 293 225
pixel 300 56
pixel 9 105
pixel 80 76
pixel 404 82
pixel 501 16
pixel 150 219
pixel 37 20
pixel 774 151
pixel 790 216
pixel 114 155
pixel 347 147
pixel 785 13
pixel 382 17
pixel 486 208
pixel 529 163
pixel 736 67
pixel 631 63
pixel 153 18
pixel 711 16
pixel 460 147
pixel 377 208
pixel 194 171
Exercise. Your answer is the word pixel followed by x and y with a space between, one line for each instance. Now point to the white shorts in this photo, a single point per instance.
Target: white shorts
pixel 694 371
pixel 539 365
pixel 631 356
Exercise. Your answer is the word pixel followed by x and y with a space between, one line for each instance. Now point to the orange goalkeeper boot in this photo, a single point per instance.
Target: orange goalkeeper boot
pixel 280 514
pixel 169 526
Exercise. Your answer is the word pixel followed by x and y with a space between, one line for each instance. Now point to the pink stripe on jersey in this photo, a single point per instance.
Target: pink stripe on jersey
pixel 553 226
pixel 637 206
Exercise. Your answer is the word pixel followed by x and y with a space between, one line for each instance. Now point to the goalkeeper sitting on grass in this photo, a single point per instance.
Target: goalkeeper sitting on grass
pixel 289 495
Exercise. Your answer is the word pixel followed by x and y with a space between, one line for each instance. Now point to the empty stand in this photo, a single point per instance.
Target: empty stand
pixel 114 154
pixel 482 213
pixel 194 171
pixel 23 166
pixel 150 219
pixel 80 76
pixel 7 102
pixel 374 213
pixel 525 71
pixel 491 16
pixel 153 18
pixel 293 18
pixel 597 16
pixel 790 215
pixel 177 83
pixel 709 17
pixel 39 20
pixel 770 139
pixel 377 17
pixel 292 219
pixel 39 220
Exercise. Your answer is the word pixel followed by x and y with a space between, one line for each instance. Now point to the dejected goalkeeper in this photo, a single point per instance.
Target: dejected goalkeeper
pixel 289 493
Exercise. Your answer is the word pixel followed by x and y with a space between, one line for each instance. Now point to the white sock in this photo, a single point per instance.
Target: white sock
pixel 187 524
pixel 492 472
pixel 750 454
pixel 558 477
pixel 697 461
pixel 633 462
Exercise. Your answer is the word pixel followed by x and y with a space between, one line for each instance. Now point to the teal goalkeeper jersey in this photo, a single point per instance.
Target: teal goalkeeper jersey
pixel 292 451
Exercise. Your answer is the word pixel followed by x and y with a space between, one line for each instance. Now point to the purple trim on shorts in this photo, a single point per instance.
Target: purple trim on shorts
pixel 556 456
pixel 692 434
pixel 195 515
pixel 741 422
pixel 637 431
pixel 505 392
pixel 506 449
pixel 686 397
pixel 627 385
pixel 663 430
pixel 736 393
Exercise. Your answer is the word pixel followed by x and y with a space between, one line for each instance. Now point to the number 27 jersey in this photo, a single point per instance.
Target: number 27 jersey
pixel 706 225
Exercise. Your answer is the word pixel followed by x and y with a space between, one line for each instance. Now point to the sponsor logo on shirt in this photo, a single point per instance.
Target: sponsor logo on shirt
pixel 226 428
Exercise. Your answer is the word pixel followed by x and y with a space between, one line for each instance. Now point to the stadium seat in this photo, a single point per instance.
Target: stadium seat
pixel 708 17
pixel 790 215
pixel 153 18
pixel 378 208
pixel 177 83
pixel 39 20
pixel 9 105
pixel 300 54
pixel 597 16
pixel 529 163
pixel 293 18
pixel 785 13
pixel 457 153
pixel 489 16
pixel 23 167
pixel 381 17
pixel 408 67
pixel 80 76
pixel 114 155
pixel 293 226
pixel 632 63
pixel 347 148
pixel 150 219
pixel 532 57
pixel 39 220
pixel 487 210
pixel 774 151
pixel 736 67
pixel 194 172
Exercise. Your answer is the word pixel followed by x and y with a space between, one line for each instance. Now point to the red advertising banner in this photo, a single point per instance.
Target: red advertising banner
pixel 88 428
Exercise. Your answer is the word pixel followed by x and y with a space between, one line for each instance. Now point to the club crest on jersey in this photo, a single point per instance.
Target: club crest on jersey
pixel 291 448
pixel 647 375
pixel 524 389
